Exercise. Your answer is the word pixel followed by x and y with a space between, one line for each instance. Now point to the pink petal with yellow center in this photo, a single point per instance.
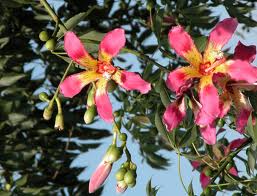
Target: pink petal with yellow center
pixel 174 114
pixel 76 50
pixel 204 180
pixel 222 33
pixel 73 84
pixel 99 176
pixel 245 53
pixel 233 171
pixel 209 134
pixel 131 81
pixel 184 46
pixel 178 80
pixel 111 44
pixel 102 101
pixel 209 100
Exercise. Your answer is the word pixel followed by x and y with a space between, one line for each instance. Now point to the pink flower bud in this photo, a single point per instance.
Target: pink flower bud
pixel 121 186
pixel 99 176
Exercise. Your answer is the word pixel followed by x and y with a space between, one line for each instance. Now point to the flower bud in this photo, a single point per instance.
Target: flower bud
pixel 90 114
pixel 43 36
pixel 120 174
pixel 121 187
pixel 99 176
pixel 132 184
pixel 59 124
pixel 50 44
pixel 91 97
pixel 43 97
pixel 123 137
pixel 48 111
pixel 7 187
pixel 130 177
pixel 113 154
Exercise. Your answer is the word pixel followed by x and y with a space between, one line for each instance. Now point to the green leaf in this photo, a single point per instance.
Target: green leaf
pixel 190 190
pixel 189 137
pixel 151 191
pixel 200 43
pixel 10 78
pixel 22 181
pixel 4 41
pixel 157 23
pixel 251 159
pixel 251 130
pixel 161 88
pixel 92 35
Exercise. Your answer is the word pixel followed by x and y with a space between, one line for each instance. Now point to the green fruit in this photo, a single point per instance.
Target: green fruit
pixel 50 44
pixel 125 165
pixel 43 96
pixel 120 174
pixel 59 124
pixel 43 36
pixel 132 184
pixel 123 137
pixel 129 177
pixel 208 172
pixel 48 111
pixel 91 97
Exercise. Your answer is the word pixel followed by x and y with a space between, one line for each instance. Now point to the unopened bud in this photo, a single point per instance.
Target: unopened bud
pixel 48 111
pixel 121 187
pixel 59 124
pixel 113 154
pixel 130 177
pixel 43 96
pixel 91 97
pixel 132 184
pixel 120 174
pixel 7 187
pixel 90 114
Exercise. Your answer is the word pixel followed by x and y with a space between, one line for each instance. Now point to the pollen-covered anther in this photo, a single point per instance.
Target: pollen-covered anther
pixel 107 75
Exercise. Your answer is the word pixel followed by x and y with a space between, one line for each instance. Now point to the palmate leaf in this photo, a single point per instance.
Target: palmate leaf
pixel 151 191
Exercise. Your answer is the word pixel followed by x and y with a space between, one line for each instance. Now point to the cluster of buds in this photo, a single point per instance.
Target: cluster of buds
pixel 48 111
pixel 126 176
pixel 50 42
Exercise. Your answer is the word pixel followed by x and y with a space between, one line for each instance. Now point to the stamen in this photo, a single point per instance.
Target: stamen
pixel 107 75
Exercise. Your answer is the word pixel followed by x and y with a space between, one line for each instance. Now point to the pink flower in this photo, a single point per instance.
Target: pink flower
pixel 100 71
pixel 204 68
pixel 204 180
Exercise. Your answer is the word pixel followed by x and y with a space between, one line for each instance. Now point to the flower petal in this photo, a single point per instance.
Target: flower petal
pixel 224 104
pixel 131 81
pixel 174 114
pixel 99 176
pixel 73 84
pixel 209 100
pixel 208 133
pixel 111 44
pixel 219 36
pixel 195 164
pixel 76 50
pixel 184 46
pixel 204 180
pixel 178 80
pixel 245 53
pixel 243 108
pixel 102 101
pixel 233 171
pixel 234 145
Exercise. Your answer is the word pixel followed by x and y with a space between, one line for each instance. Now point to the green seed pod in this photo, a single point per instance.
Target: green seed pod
pixel 50 44
pixel 43 36
pixel 111 86
pixel 123 137
pixel 208 172
pixel 59 124
pixel 129 177
pixel 132 184
pixel 7 187
pixel 91 97
pixel 90 114
pixel 48 111
pixel 120 174
pixel 43 97
pixel 125 165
